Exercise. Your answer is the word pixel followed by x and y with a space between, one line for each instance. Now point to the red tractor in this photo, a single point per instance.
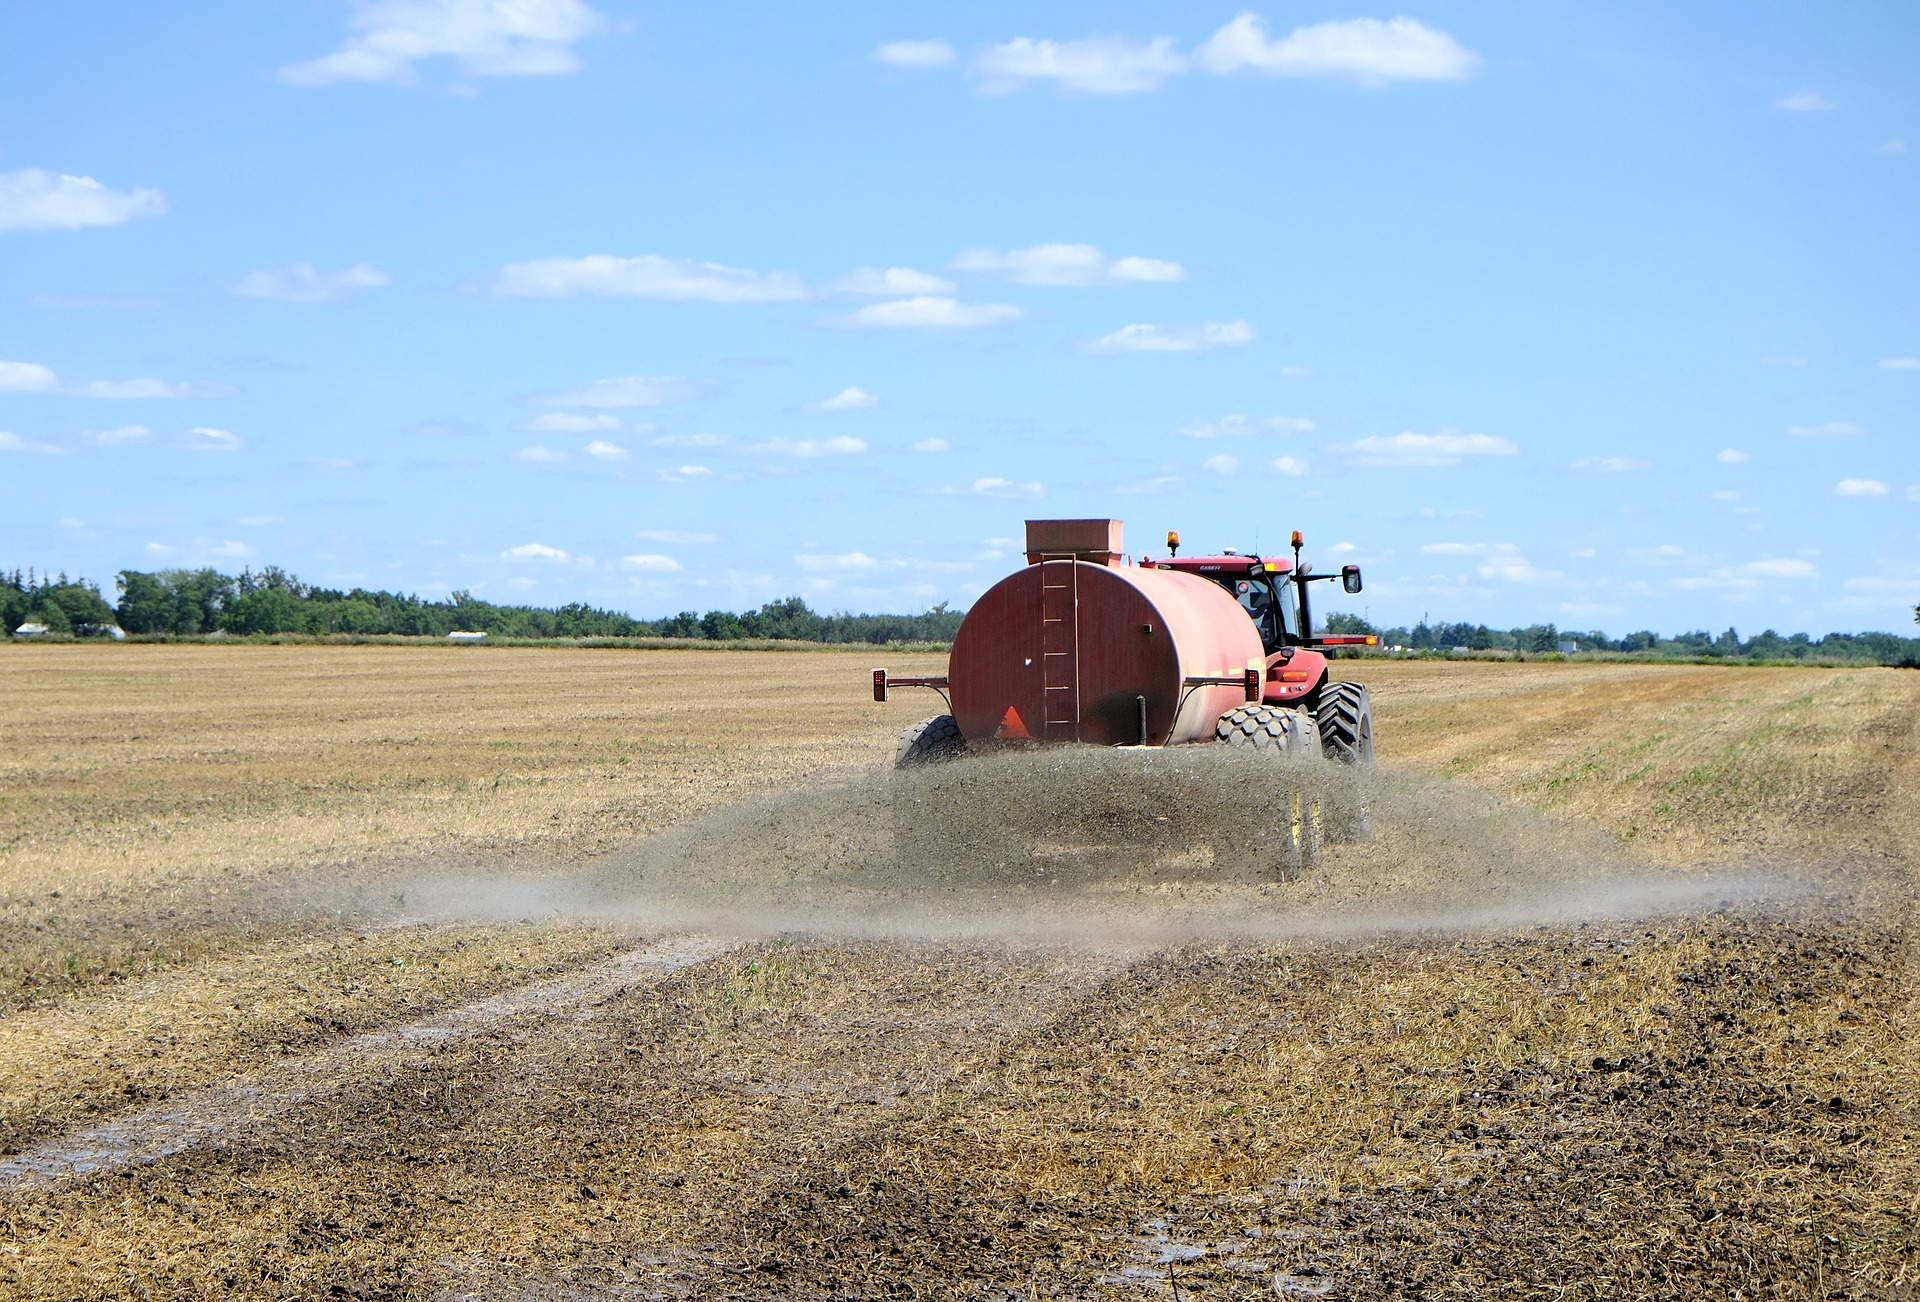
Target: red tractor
pixel 1081 647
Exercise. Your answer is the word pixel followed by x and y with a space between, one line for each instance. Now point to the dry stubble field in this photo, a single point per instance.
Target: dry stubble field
pixel 236 1060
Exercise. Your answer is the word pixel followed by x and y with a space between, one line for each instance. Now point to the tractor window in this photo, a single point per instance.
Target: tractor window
pixel 1256 598
pixel 1267 608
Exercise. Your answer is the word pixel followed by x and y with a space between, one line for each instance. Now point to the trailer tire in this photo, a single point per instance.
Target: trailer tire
pixel 1344 716
pixel 1264 728
pixel 930 741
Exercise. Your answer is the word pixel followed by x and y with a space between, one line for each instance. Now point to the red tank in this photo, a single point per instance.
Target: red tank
pixel 1069 649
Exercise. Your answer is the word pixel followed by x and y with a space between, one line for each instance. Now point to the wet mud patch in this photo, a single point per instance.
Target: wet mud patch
pixel 1117 848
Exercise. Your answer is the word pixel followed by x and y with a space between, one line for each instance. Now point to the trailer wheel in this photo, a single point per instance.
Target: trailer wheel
pixel 929 741
pixel 1263 728
pixel 1345 719
pixel 1296 840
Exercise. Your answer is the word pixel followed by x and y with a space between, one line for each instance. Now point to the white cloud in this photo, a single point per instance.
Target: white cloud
pixel 1733 456
pixel 838 446
pixel 1446 448
pixel 1366 50
pixel 1068 264
pixel 158 549
pixel 1174 339
pixel 539 455
pixel 14 443
pixel 567 422
pixel 1859 488
pixel 1803 101
pixel 1240 426
pixel 535 552
pixel 207 439
pixel 1292 467
pixel 1497 561
pixel 331 463
pixel 484 38
pixel 229 549
pixel 1900 363
pixel 27 377
pixel 1727 495
pixel 1782 569
pixel 681 537
pixel 259 521
pixel 918 55
pixel 35 200
pixel 1145 487
pixel 1833 429
pixel 691 441
pixel 1297 372
pixel 929 312
pixel 601 450
pixel 684 475
pixel 622 391
pixel 124 434
pixel 993 486
pixel 650 563
pixel 847 563
pixel 931 445
pixel 851 398
pixel 1896 145
pixel 1101 65
pixel 647 276
pixel 890 282
pixel 144 388
pixel 1610 465
pixel 1221 464
pixel 302 282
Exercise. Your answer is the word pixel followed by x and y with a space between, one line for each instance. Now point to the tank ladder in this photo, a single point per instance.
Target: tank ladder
pixel 1060 646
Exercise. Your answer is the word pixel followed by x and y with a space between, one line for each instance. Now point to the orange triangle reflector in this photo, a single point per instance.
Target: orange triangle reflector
pixel 1011 726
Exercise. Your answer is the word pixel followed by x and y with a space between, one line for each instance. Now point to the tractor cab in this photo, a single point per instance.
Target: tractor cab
pixel 1271 589
pixel 1258 583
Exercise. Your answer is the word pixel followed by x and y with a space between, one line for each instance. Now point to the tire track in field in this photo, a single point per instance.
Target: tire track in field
pixel 216 1113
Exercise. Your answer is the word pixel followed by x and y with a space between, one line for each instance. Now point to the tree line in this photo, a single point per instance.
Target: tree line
pixel 188 603
pixel 1870 648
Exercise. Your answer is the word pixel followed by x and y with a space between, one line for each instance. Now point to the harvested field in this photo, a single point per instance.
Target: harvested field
pixel 400 972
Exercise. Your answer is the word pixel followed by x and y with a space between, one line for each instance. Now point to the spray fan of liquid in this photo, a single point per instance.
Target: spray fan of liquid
pixel 1111 847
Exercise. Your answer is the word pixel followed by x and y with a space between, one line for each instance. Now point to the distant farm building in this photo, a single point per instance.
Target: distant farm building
pixel 466 637
pixel 1567 648
pixel 32 630
pixel 113 631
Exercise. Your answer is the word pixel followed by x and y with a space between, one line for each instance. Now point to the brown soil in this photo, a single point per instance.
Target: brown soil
pixel 1717 1100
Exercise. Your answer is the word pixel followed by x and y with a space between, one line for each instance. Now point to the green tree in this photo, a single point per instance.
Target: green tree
pixel 268 610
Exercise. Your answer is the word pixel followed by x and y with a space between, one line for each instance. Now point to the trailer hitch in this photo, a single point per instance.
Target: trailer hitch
pixel 882 684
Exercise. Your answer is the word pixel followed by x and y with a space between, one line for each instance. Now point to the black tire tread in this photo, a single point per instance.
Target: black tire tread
pixel 1344 715
pixel 930 741
pixel 1264 728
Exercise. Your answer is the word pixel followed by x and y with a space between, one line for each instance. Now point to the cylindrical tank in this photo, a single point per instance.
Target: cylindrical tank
pixel 1065 650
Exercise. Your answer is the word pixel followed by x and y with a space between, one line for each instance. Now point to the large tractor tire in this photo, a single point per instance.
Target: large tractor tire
pixel 1344 716
pixel 929 742
pixel 1296 840
pixel 1263 728
pixel 1345 719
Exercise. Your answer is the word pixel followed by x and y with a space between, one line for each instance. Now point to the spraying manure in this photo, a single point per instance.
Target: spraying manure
pixel 1127 848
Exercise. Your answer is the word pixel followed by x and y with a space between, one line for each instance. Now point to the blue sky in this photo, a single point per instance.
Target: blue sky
pixel 1607 316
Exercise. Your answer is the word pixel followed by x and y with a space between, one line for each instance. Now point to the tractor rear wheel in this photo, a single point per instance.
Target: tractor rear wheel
pixel 1263 728
pixel 1344 715
pixel 930 741
pixel 1345 719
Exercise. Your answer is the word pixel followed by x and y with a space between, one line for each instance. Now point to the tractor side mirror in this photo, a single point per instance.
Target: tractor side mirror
pixel 1350 577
